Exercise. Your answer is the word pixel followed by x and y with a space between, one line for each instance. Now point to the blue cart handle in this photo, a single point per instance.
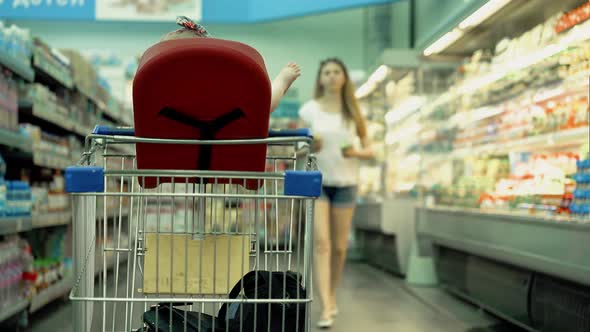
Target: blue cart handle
pixel 113 131
pixel 302 132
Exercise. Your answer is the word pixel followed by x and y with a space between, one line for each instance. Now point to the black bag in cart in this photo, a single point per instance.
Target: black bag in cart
pixel 170 319
pixel 252 317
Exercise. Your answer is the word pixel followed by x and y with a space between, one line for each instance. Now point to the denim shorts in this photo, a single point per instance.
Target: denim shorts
pixel 340 196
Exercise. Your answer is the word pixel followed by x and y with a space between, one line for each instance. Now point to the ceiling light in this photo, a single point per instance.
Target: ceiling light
pixel 380 74
pixel 365 90
pixel 483 13
pixel 443 42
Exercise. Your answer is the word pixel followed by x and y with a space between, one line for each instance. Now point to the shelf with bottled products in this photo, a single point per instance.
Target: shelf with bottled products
pixel 49 101
pixel 51 66
pixel 15 54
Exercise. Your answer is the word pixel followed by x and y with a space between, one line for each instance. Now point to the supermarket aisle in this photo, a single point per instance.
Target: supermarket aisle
pixel 370 300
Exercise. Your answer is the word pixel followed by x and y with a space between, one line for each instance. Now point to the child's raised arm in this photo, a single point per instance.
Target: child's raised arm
pixel 282 82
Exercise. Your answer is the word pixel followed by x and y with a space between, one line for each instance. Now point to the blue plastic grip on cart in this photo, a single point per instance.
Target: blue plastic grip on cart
pixel 302 132
pixel 303 183
pixel 113 131
pixel 84 179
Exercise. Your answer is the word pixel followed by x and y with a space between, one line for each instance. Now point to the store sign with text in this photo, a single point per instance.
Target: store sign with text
pixel 48 9
pixel 124 10
pixel 209 11
pixel 147 10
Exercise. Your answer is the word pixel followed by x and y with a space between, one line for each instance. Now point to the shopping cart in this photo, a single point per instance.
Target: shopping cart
pixel 181 256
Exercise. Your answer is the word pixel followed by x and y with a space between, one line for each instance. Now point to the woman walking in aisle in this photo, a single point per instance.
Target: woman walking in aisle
pixel 341 141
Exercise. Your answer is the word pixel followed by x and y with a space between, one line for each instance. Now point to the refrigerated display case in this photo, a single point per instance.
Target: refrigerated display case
pixel 384 218
pixel 503 171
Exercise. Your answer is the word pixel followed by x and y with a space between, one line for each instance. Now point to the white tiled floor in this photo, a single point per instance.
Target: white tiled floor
pixel 369 301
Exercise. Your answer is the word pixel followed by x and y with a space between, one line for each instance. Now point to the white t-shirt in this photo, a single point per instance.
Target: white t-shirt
pixel 335 132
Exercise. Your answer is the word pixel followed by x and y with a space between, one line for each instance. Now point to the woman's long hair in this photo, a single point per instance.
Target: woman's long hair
pixel 350 104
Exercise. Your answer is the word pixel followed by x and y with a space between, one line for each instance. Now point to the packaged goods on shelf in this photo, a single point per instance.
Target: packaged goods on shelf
pixel 507 131
pixel 18 199
pixel 44 101
pixel 83 112
pixel 57 201
pixel 16 42
pixel 40 198
pixel 53 144
pixel 52 62
pixel 572 18
pixel 50 249
pixel 50 197
pixel 76 147
pixel 11 270
pixel 49 272
pixel 15 196
pixel 83 73
pixel 533 60
pixel 103 96
pixel 580 206
pixel 8 103
pixel 3 187
pixel 112 70
pixel 57 198
pixel 48 150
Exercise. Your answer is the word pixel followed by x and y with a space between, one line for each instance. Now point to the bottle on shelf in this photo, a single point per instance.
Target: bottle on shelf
pixel 11 268
pixel 29 274
pixel 18 202
pixel 3 188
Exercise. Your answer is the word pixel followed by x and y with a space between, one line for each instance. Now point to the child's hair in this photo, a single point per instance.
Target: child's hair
pixel 190 29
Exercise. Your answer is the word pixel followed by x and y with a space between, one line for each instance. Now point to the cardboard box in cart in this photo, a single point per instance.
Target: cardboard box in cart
pixel 218 256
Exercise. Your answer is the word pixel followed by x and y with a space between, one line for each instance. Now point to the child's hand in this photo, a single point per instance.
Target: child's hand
pixel 282 83
pixel 289 74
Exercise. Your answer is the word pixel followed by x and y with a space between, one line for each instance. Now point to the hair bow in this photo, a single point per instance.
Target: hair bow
pixel 187 23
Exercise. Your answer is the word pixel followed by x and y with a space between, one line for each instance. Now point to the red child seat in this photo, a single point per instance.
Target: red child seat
pixel 201 88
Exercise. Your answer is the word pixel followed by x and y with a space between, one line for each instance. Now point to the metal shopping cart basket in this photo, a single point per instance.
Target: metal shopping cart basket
pixel 200 251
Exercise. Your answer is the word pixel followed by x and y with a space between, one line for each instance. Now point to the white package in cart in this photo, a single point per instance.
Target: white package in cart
pixel 179 264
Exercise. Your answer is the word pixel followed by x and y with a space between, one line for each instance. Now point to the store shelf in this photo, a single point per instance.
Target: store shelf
pixel 575 36
pixel 551 140
pixel 51 116
pixel 16 66
pixel 45 69
pixel 50 219
pixel 577 84
pixel 555 140
pixel 89 95
pixel 14 225
pixel 15 140
pixel 551 245
pixel 48 160
pixel 13 309
pixel 50 294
